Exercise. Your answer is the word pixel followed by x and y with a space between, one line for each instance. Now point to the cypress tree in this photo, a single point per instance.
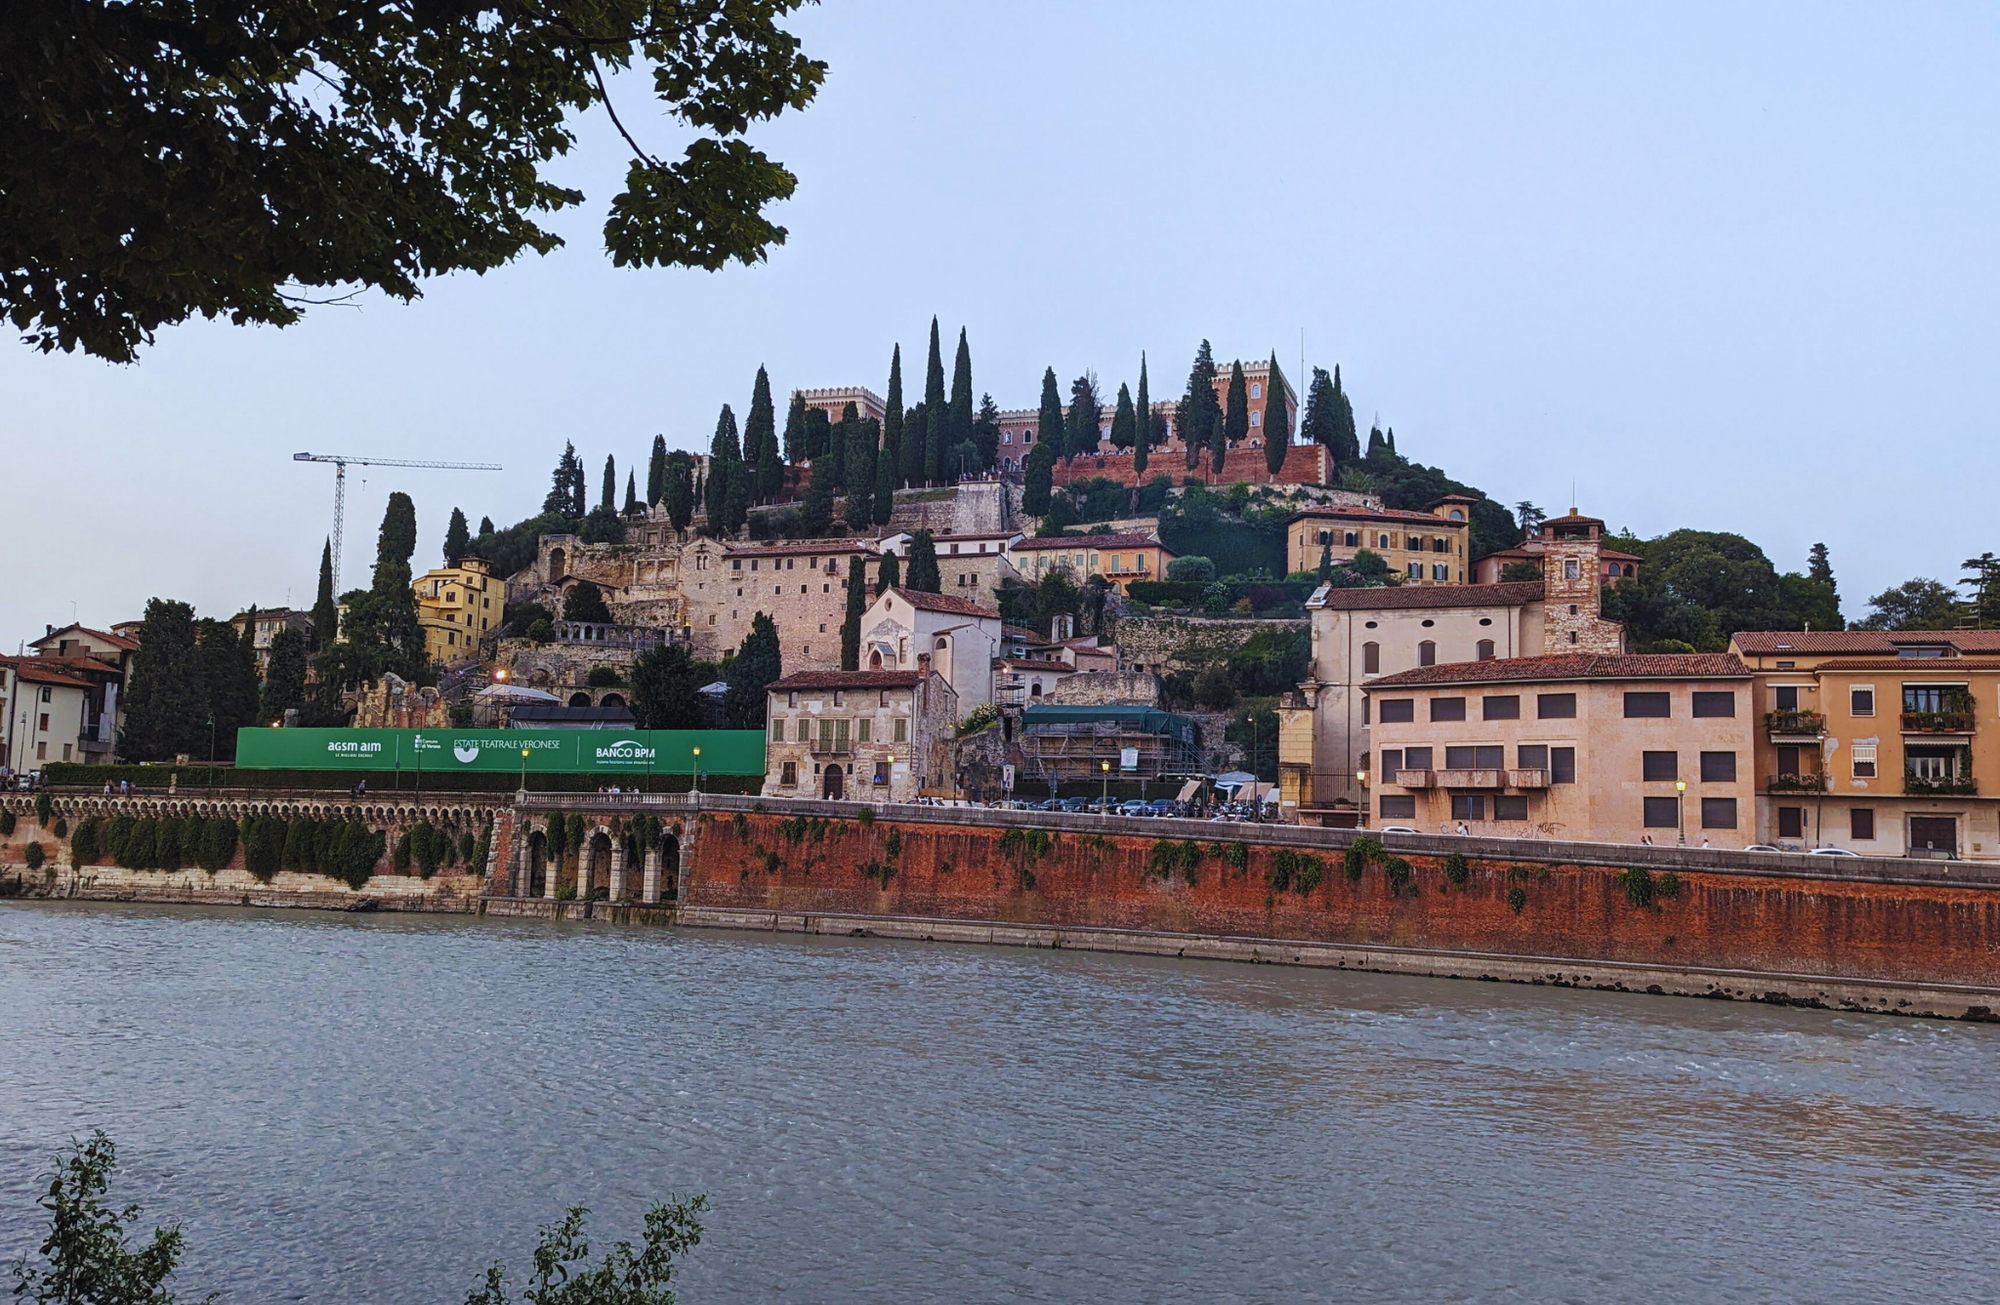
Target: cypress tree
pixel 757 663
pixel 677 491
pixel 958 431
pixel 457 538
pixel 1277 430
pixel 1346 444
pixel 1197 416
pixel 760 433
pixel 857 602
pixel 1236 417
pixel 844 434
pixel 924 575
pixel 816 513
pixel 325 615
pixel 795 431
pixel 631 493
pixel 608 499
pixel 892 423
pixel 656 472
pixel 723 453
pixel 819 434
pixel 1142 436
pixel 1320 425
pixel 889 575
pixel 1084 423
pixel 736 503
pixel 284 675
pixel 883 500
pixel 1040 464
pixel 561 495
pixel 915 426
pixel 1390 439
pixel 1376 445
pixel 937 415
pixel 163 697
pixel 1049 421
pixel 986 433
pixel 861 474
pixel 395 603
pixel 1124 426
pixel 486 525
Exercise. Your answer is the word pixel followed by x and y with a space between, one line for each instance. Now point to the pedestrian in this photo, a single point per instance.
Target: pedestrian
pixel 1462 830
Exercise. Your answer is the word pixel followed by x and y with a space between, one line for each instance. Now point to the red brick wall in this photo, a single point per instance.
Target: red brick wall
pixel 1305 464
pixel 1923 933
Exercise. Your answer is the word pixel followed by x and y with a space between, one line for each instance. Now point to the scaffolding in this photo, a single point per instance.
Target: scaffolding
pixel 1066 742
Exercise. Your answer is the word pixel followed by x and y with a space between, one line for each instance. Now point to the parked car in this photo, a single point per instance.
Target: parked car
pixel 1762 847
pixel 1134 807
pixel 1832 851
pixel 1163 807
pixel 1397 829
pixel 1074 805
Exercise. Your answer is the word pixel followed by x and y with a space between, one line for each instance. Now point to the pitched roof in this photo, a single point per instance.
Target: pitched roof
pixel 1090 541
pixel 26 669
pixel 1572 666
pixel 81 663
pixel 1862 642
pixel 1515 593
pixel 1372 514
pixel 803 547
pixel 1913 665
pixel 848 680
pixel 1032 664
pixel 115 640
pixel 928 602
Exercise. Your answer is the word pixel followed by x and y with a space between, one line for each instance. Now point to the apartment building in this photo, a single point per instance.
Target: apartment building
pixel 1871 740
pixel 973 566
pixel 457 606
pixel 48 714
pixel 1421 548
pixel 269 622
pixel 862 736
pixel 1116 559
pixel 1578 746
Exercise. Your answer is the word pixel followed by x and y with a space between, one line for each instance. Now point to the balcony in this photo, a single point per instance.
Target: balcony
pixel 1794 724
pixel 1414 778
pixel 1812 782
pixel 1956 720
pixel 1536 778
pixel 1471 779
pixel 831 747
pixel 1915 785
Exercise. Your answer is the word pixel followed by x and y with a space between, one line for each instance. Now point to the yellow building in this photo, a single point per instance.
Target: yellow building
pixel 457 607
pixel 1424 548
pixel 1117 559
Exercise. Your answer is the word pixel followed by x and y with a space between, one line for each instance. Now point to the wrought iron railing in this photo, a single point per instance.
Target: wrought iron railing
pixel 1795 722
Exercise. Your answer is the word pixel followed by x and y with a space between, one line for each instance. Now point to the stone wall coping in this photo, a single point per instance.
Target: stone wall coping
pixel 1787 865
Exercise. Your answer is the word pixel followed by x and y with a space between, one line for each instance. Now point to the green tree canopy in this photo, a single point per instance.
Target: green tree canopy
pixel 1700 587
pixel 937 412
pixel 795 430
pixel 607 499
pixel 1277 424
pixel 457 538
pixel 1197 414
pixel 1236 415
pixel 757 663
pixel 325 613
pixel 892 422
pixel 760 440
pixel 724 452
pixel 958 415
pixel 585 602
pixel 284 676
pixel 888 575
pixel 677 493
pixel 1142 433
pixel 666 688
pixel 176 158
pixel 656 471
pixel 860 506
pixel 1083 425
pixel 924 576
pixel 986 434
pixel 1918 604
pixel 850 626
pixel 1124 424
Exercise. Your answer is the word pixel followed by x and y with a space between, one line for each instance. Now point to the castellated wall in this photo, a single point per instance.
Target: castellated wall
pixel 1305 464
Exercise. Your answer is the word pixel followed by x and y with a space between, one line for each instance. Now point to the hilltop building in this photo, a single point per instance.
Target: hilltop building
pixel 1422 548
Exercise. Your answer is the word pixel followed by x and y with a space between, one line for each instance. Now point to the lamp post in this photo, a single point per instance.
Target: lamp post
pixel 694 771
pixel 1680 810
pixel 524 772
pixel 1104 804
pixel 890 796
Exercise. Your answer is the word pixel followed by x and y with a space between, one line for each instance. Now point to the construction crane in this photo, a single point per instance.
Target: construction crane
pixel 340 463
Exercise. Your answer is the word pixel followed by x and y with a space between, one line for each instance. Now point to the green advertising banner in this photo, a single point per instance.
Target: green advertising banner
pixel 570 752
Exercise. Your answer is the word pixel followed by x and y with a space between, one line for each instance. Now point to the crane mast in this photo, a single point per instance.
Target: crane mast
pixel 340 463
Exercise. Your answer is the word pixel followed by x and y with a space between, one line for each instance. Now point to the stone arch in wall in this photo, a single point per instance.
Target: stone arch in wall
pixel 558 565
pixel 579 700
pixel 538 863
pixel 595 862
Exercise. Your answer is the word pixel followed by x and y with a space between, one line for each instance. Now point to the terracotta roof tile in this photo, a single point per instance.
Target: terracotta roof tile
pixel 1572 666
pixel 1401 597
pixel 848 680
pixel 927 602
pixel 1371 514
pixel 837 547
pixel 26 669
pixel 115 640
pixel 1940 665
pixel 1861 642
pixel 1090 541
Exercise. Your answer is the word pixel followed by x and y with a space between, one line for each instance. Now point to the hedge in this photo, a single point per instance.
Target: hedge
pixel 196 779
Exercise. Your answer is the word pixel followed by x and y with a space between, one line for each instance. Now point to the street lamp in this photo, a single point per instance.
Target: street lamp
pixel 1680 809
pixel 694 771
pixel 524 771
pixel 891 795
pixel 1104 806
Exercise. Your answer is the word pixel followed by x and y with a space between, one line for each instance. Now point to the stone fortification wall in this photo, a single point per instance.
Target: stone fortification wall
pixel 563 666
pixel 1100 688
pixel 1305 464
pixel 1514 905
pixel 1164 644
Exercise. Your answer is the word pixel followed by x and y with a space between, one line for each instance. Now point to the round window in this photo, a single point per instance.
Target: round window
pixel 1429 624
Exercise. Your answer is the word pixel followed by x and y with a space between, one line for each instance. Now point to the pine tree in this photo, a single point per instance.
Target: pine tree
pixel 1819 566
pixel 758 663
pixel 1347 444
pixel 656 472
pixel 486 525
pixel 565 485
pixel 677 494
pixel 325 614
pixel 457 538
pixel 892 425
pixel 795 431
pixel 608 500
pixel 1377 447
pixel 284 675
pixel 937 414
pixel 924 575
pixel 1320 424
pixel 857 602
pixel 889 575
pixel 165 707
pixel 761 432
pixel 1142 435
pixel 1124 426
pixel 723 452
pixel 958 430
pixel 1083 425
pixel 1197 415
pixel 986 434
pixel 1277 426
pixel 861 474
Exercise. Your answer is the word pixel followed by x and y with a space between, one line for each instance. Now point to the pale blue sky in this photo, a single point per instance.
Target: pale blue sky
pixel 1727 266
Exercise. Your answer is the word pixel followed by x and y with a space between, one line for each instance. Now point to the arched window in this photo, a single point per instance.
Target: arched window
pixel 1382 541
pixel 1427 653
pixel 1457 514
pixel 1371 659
pixel 1485 650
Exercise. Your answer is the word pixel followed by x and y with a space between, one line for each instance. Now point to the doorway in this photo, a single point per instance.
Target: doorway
pixel 832 789
pixel 1934 834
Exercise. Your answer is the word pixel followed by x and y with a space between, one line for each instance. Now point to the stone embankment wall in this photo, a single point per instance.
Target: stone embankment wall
pixel 1163 644
pixel 1761 928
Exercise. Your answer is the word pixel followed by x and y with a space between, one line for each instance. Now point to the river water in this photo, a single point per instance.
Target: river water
pixel 371 1108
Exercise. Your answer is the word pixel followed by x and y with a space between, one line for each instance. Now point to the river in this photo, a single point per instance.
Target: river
pixel 371 1108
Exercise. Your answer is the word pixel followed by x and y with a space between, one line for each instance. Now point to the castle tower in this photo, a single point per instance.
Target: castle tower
pixel 1572 580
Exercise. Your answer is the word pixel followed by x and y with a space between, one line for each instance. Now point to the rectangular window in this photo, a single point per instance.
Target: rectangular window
pixel 789 775
pixel 1864 760
pixel 840 735
pixel 1662 812
pixel 1788 759
pixel 1861 824
pixel 1510 807
pixel 1718 813
pixel 777 731
pixel 1562 765
pixel 1861 702
pixel 902 730
pixel 1659 765
pixel 1398 710
pixel 1392 761
pixel 1718 703
pixel 1785 697
pixel 1791 822
pixel 1461 757
pixel 1648 705
pixel 1502 706
pixel 1447 709
pixel 1532 756
pixel 1555 706
pixel 1718 768
pixel 1398 806
pixel 862 729
pixel 1468 806
pixel 1416 758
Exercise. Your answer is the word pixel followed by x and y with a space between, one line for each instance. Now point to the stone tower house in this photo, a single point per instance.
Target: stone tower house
pixel 1572 618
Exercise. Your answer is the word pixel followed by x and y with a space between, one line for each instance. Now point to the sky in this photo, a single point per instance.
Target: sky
pixel 1728 267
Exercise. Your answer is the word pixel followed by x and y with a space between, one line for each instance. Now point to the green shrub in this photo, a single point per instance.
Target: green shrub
pixel 84 844
pixel 216 845
pixel 61 829
pixel 1196 568
pixel 427 848
pixel 167 844
pixel 1638 884
pixel 878 872
pixel 33 855
pixel 866 818
pixel 137 853
pixel 399 855
pixel 1517 898
pixel 1292 870
pixel 1360 853
pixel 1528 872
pixel 116 835
pixel 467 845
pixel 1165 860
pixel 6 823
pixel 44 809
pixel 1234 855
pixel 1668 885
pixel 573 836
pixel 892 844
pixel 1456 871
pixel 1397 871
pixel 264 842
